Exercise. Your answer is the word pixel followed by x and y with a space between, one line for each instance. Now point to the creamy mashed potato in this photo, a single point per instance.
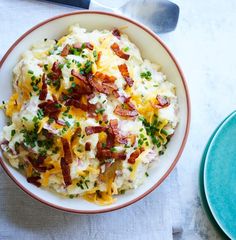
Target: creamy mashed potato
pixel 88 115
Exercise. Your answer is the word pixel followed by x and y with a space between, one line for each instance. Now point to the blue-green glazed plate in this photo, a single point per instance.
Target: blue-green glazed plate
pixel 201 185
pixel 220 176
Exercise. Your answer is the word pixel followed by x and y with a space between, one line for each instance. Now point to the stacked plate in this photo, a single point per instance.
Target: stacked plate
pixel 218 178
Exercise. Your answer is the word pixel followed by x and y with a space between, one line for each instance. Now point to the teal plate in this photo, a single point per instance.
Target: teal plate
pixel 201 185
pixel 220 176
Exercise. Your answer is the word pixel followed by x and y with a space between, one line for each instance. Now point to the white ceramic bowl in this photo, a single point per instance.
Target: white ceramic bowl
pixel 151 48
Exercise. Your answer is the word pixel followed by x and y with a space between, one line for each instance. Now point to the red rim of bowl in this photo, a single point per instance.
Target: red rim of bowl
pixel 186 130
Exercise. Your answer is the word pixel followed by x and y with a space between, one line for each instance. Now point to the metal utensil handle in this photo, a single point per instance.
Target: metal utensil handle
pixel 77 3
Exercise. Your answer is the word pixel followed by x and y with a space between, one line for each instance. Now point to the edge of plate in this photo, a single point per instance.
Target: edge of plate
pixel 204 172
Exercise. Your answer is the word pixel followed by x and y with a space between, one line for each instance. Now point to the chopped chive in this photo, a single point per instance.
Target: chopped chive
pixel 161 153
pixel 130 169
pixel 142 135
pixel 147 75
pixel 73 85
pixel 30 72
pixel 57 105
pixel 45 66
pixel 50 120
pixel 164 132
pixel 146 174
pixel 13 132
pixel 113 149
pixel 61 65
pixel 126 49
pixel 85 182
pixel 95 55
pixel 35 88
pixel 67 123
pixel 100 110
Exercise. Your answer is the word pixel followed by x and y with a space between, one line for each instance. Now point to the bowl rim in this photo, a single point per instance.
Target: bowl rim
pixel 150 32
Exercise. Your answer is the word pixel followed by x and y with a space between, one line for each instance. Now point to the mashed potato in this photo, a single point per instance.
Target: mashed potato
pixel 88 115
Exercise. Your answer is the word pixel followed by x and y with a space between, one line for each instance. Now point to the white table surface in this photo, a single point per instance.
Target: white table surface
pixel 204 44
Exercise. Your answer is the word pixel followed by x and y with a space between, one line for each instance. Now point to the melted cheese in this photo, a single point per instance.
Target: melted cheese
pixel 13 105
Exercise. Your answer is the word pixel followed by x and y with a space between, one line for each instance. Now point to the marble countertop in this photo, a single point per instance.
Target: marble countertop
pixel 204 45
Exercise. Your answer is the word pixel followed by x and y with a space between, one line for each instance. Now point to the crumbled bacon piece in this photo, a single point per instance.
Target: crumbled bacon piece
pixel 111 86
pixel 116 49
pixel 99 56
pixel 56 71
pixel 72 102
pixel 79 76
pixel 85 44
pixel 116 94
pixel 54 97
pixel 127 101
pixel 116 33
pixel 78 90
pixel 110 141
pixel 66 150
pixel 99 146
pixel 115 131
pixel 89 45
pixel 162 101
pixel 104 77
pixel 125 112
pixel 125 74
pixel 77 104
pixel 37 163
pixel 106 154
pixel 44 91
pixel 90 96
pixel 102 83
pixel 65 168
pixel 114 126
pixel 65 51
pixel 87 146
pixel 94 129
pixel 135 155
pixel 98 86
pixel 76 133
pixel 50 108
pixel 34 180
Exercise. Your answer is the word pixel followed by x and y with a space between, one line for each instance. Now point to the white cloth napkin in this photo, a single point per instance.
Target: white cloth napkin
pixel 157 216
